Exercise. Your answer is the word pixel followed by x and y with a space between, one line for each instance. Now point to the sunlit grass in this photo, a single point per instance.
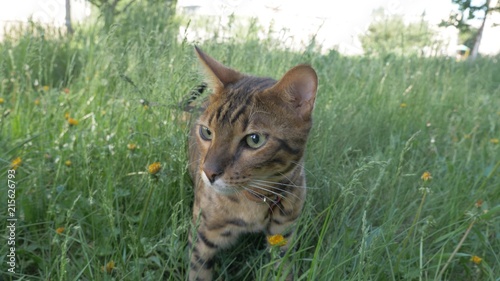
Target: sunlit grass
pixel 401 152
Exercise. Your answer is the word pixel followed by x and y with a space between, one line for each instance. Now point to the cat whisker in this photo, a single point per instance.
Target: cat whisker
pixel 268 202
pixel 285 184
pixel 192 162
pixel 282 191
pixel 266 187
pixel 256 194
pixel 300 186
pixel 303 168
pixel 277 183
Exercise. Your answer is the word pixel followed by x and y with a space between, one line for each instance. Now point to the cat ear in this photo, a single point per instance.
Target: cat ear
pixel 218 74
pixel 298 87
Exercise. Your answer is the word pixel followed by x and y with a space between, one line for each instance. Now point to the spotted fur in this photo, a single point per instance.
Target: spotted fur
pixel 246 158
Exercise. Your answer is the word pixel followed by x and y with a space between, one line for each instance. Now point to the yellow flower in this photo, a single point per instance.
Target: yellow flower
pixel 494 141
pixel 276 240
pixel 131 146
pixel 154 168
pixel 68 163
pixel 72 122
pixel 426 176
pixel 403 105
pixel 60 230
pixel 479 203
pixel 2 100
pixel 37 102
pixel 476 259
pixel 45 88
pixel 108 267
pixel 16 163
pixel 66 115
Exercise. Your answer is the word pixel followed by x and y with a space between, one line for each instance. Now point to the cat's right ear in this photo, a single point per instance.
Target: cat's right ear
pixel 298 88
pixel 219 76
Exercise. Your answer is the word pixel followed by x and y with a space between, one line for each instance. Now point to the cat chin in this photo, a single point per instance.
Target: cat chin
pixel 218 186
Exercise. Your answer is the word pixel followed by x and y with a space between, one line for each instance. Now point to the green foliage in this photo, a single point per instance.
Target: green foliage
pixel 111 9
pixel 34 54
pixel 468 10
pixel 391 35
pixel 468 37
pixel 379 125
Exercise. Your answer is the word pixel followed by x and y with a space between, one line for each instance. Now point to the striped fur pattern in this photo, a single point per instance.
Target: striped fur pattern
pixel 246 159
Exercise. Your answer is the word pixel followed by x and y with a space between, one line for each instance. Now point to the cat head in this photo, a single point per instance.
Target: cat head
pixel 254 129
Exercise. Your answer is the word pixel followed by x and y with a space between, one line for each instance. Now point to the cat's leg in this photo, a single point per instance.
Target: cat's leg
pixel 202 253
pixel 205 242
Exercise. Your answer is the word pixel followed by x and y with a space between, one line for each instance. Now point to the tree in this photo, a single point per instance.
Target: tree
pixel 467 11
pixel 69 27
pixel 109 9
pixel 389 34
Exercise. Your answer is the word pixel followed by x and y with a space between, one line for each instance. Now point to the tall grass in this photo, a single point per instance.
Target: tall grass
pixel 84 196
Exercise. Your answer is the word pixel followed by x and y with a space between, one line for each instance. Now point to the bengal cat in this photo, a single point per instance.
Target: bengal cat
pixel 246 158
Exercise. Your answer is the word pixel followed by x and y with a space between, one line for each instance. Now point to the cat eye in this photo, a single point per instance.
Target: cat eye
pixel 205 133
pixel 256 140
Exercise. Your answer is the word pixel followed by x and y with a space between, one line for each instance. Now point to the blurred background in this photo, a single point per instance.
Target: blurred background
pixel 432 27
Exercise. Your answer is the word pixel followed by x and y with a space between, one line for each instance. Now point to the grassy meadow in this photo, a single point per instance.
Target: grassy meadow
pixel 402 163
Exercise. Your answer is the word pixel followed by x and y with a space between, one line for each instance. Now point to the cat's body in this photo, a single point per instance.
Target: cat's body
pixel 245 155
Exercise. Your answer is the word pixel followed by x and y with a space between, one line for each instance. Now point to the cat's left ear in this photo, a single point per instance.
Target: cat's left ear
pixel 298 86
pixel 218 74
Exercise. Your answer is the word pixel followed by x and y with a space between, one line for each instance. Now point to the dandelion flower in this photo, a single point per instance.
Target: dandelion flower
pixel 403 105
pixel 60 230
pixel 479 203
pixel 494 141
pixel 476 259
pixel 276 240
pixel 2 100
pixel 45 88
pixel 154 168
pixel 131 146
pixel 72 122
pixel 108 267
pixel 426 176
pixel 68 163
pixel 16 163
pixel 37 102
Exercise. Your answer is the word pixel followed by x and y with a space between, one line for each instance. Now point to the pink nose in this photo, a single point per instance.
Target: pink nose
pixel 212 172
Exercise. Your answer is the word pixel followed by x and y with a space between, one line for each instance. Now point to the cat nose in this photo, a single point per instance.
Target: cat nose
pixel 212 173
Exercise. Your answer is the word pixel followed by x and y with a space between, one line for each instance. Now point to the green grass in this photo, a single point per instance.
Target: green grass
pixel 368 216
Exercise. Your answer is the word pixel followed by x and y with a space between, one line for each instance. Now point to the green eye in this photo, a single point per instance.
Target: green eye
pixel 256 140
pixel 205 133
